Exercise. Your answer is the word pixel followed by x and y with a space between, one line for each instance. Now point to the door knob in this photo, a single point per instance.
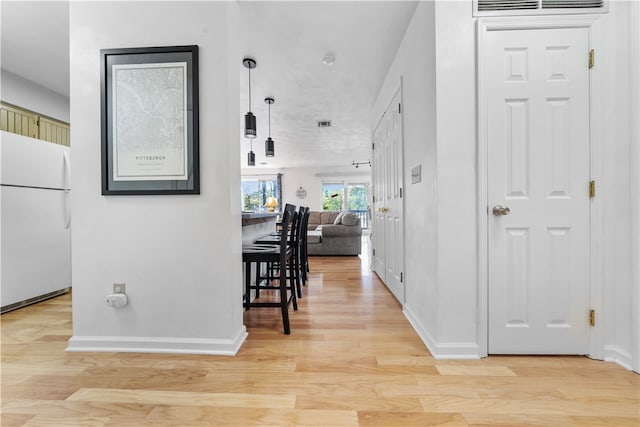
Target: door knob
pixel 499 210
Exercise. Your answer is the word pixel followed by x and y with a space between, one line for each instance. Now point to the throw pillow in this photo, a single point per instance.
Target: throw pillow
pixel 338 219
pixel 349 218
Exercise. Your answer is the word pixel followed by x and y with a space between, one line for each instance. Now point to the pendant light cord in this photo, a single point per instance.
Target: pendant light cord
pixel 269 120
pixel 249 89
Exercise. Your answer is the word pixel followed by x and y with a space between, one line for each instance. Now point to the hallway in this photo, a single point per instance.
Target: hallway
pixel 351 359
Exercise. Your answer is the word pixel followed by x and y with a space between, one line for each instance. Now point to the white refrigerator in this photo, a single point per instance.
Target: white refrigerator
pixel 35 235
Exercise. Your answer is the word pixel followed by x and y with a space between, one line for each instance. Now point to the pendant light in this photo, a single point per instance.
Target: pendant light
pixel 249 118
pixel 269 145
pixel 251 157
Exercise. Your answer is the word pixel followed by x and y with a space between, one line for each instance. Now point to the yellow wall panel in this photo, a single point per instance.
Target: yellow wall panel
pixel 28 123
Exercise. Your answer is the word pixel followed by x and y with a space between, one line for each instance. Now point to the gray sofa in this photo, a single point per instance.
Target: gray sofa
pixel 334 233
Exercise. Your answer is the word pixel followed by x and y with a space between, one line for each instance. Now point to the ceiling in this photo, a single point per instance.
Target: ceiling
pixel 288 40
pixel 35 42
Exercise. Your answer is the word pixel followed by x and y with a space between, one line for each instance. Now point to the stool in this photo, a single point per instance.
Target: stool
pixel 281 254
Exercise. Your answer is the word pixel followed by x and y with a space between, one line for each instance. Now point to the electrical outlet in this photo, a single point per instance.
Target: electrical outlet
pixel 119 288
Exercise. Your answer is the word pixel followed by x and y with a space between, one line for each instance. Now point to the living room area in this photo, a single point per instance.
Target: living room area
pixel 328 232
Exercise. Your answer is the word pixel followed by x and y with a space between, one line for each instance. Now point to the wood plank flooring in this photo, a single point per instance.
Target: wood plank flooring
pixel 351 360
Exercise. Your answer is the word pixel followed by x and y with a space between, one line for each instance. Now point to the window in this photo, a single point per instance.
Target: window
pixel 357 197
pixel 257 188
pixel 353 197
pixel 332 196
pixel 358 202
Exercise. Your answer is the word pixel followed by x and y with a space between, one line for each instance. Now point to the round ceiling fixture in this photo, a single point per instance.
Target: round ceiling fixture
pixel 329 60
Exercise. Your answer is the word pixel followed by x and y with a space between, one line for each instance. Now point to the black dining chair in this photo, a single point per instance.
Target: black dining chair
pixel 280 254
pixel 304 256
pixel 295 243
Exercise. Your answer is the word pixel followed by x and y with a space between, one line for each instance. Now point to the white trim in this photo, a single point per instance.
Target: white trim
pixel 485 25
pixel 403 191
pixel 597 217
pixel 536 22
pixel 617 355
pixel 451 350
pixel 218 347
pixel 634 134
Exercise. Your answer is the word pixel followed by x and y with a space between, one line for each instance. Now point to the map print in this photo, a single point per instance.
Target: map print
pixel 149 122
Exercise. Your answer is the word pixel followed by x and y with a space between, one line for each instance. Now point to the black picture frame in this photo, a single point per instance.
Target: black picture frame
pixel 149 120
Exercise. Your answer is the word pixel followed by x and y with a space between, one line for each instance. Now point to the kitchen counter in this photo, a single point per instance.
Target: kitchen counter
pixel 258 224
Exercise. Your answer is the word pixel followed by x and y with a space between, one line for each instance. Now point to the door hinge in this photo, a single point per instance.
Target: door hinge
pixel 401 192
pixel 401 277
pixel 592 58
pixel 592 189
pixel 374 252
pixel 592 317
pixel 373 146
pixel 399 108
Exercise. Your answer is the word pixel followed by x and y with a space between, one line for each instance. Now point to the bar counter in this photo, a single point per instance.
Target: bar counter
pixel 258 224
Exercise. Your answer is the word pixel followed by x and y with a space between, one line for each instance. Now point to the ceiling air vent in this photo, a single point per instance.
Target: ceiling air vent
pixel 491 5
pixel 530 7
pixel 571 4
pixel 324 124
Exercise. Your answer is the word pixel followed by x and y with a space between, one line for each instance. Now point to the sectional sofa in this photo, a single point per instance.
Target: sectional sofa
pixel 334 233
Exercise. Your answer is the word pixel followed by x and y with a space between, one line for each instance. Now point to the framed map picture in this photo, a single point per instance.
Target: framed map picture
pixel 149 100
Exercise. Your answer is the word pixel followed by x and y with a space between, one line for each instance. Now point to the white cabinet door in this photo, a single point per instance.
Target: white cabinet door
pixel 538 168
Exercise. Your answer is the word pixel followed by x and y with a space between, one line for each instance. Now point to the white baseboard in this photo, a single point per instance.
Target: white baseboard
pixel 218 347
pixel 453 350
pixel 616 355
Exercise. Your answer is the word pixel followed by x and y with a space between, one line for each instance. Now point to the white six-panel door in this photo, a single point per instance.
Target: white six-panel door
pixel 538 181
pixel 388 231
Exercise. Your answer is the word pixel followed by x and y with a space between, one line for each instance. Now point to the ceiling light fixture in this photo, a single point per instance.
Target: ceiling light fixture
pixel 269 145
pixel 249 119
pixel 251 157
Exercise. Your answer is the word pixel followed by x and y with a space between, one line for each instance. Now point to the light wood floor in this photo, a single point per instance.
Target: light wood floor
pixel 352 359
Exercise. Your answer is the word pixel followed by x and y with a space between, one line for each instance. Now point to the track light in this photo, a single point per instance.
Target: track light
pixel 356 164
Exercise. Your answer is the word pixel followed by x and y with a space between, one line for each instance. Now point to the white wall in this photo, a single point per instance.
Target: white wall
pixel 415 65
pixel 180 256
pixel 634 159
pixel 24 93
pixel 620 309
pixel 457 179
pixel 441 212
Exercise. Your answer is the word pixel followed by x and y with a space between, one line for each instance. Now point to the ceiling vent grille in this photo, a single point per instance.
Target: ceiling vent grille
pixel 528 7
pixel 491 5
pixel 571 4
